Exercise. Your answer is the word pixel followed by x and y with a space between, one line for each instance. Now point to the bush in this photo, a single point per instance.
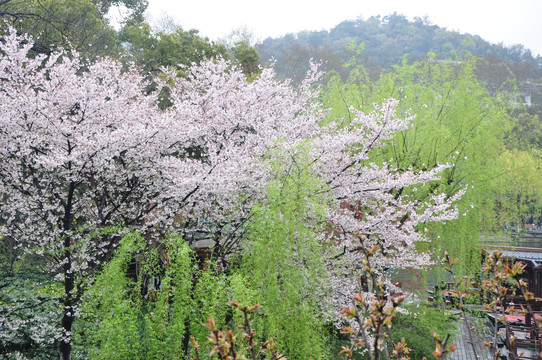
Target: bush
pixel 416 327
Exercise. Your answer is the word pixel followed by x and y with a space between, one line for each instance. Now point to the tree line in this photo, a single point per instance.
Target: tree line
pixel 388 40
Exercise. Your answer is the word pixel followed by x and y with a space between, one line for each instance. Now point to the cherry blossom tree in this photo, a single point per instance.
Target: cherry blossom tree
pixel 375 220
pixel 85 153
pixel 80 151
pixel 374 204
pixel 238 121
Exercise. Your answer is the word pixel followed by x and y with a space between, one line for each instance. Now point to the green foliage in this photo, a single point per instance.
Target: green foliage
pixel 110 327
pixel 416 328
pixel 76 24
pixel 154 50
pixel 520 185
pixel 283 263
pixel 167 317
pixel 153 315
pixel 247 58
pixel 456 122
pixel 118 323
pixel 526 132
pixel 29 306
pixel 211 297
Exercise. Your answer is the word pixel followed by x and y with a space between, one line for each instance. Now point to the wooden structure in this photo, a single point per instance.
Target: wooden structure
pixel 532 258
pixel 521 333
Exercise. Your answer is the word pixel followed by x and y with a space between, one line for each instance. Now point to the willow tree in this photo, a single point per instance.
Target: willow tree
pixel 456 122
pixel 283 258
pixel 519 198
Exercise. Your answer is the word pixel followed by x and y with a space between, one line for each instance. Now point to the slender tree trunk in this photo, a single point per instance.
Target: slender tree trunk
pixel 67 318
pixel 186 338
pixel 69 281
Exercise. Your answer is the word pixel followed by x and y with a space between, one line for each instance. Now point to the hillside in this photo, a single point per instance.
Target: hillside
pixel 385 41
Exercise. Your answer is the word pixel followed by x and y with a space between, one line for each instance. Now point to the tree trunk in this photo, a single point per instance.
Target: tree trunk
pixel 69 279
pixel 67 318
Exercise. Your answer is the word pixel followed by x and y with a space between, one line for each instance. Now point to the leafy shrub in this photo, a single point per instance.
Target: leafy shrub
pixel 416 327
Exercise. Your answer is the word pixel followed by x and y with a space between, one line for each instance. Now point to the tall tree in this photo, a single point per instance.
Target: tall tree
pixel 74 162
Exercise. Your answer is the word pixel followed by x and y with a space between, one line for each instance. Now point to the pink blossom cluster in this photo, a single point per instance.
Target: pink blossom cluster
pixel 375 204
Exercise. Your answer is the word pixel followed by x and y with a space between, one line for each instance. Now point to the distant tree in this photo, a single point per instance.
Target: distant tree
pixel 154 50
pixel 247 58
pixel 497 75
pixel 391 38
pixel 164 23
pixel 56 24
pixel 238 35
pixel 293 58
pixel 526 131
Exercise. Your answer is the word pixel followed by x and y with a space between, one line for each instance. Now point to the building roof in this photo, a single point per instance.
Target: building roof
pixel 534 256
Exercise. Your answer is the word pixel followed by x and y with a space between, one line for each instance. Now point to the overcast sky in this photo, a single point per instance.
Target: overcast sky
pixel 507 21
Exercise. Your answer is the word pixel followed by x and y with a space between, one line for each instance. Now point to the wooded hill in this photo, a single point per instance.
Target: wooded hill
pixel 386 41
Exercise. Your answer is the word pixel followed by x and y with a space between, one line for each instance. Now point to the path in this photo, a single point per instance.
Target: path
pixel 464 348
